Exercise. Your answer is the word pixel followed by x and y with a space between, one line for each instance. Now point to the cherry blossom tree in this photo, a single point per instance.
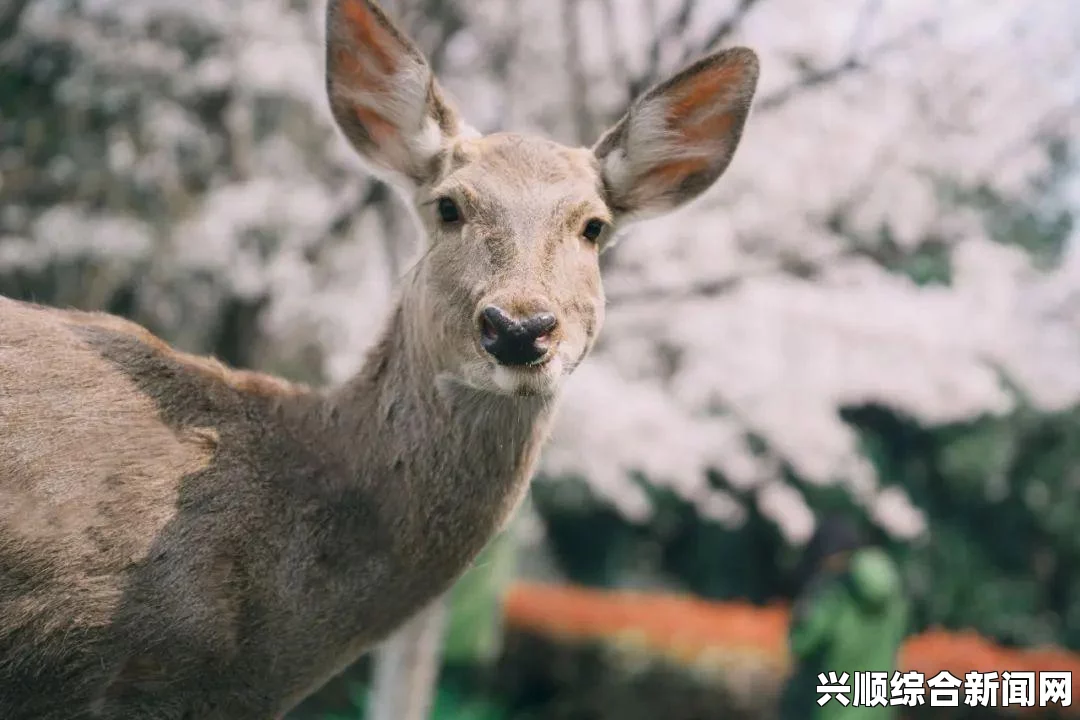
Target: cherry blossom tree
pixel 176 162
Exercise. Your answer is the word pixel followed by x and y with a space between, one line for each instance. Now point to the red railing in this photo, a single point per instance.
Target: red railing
pixel 691 631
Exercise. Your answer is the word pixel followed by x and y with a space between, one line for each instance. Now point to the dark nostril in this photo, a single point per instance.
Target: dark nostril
pixel 488 330
pixel 541 324
pixel 515 342
pixel 497 321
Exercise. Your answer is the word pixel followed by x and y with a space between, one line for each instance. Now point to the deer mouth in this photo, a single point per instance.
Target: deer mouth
pixel 533 369
pixel 539 364
pixel 537 378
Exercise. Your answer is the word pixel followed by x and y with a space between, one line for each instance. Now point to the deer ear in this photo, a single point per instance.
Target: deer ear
pixel 383 95
pixel 678 137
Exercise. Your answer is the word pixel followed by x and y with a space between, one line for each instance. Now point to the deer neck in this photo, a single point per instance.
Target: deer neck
pixel 445 463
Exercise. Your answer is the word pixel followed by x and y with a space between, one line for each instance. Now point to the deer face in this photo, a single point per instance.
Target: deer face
pixel 515 226
pixel 508 292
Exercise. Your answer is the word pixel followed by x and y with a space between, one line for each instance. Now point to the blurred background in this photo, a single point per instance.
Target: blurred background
pixel 875 312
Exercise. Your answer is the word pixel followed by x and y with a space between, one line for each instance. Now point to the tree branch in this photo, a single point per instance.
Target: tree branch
pixel 721 31
pixel 620 66
pixel 676 27
pixel 671 30
pixel 850 65
pixel 575 71
pixel 797 267
pixel 407 667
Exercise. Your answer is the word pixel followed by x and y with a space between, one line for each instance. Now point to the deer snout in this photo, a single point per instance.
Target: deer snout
pixel 516 342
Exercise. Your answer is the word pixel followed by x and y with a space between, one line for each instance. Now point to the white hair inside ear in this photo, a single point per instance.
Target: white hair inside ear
pixel 679 137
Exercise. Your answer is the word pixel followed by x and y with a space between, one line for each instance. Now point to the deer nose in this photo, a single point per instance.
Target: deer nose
pixel 516 342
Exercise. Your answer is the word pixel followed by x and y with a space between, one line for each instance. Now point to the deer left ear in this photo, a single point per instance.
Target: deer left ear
pixel 383 94
pixel 679 136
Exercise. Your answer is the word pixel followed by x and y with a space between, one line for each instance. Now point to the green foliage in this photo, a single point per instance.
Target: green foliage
pixel 929 262
pixel 1041 229
pixel 452 705
pixel 999 494
pixel 358 696
pixel 474 631
pixel 595 546
pixel 449 704
pixel 591 542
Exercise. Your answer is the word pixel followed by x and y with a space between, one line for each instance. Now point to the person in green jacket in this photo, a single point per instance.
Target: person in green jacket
pixel 850 615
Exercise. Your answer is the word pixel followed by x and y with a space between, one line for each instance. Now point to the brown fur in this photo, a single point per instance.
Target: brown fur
pixel 176 545
pixel 243 380
pixel 182 540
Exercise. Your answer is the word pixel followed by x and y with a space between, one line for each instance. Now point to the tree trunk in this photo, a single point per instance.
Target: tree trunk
pixel 407 668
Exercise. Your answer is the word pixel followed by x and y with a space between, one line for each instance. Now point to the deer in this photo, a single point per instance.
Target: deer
pixel 184 540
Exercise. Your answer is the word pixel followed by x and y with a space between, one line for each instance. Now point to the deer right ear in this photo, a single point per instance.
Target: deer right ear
pixel 383 94
pixel 679 136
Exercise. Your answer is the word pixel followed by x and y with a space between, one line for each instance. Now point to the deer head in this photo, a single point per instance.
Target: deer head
pixel 508 294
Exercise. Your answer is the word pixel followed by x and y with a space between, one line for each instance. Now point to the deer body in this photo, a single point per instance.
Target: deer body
pixel 267 541
pixel 181 540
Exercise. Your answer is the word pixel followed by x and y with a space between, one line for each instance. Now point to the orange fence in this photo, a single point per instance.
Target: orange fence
pixel 692 631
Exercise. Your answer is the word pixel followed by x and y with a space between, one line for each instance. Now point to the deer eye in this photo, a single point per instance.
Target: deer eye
pixel 448 211
pixel 592 230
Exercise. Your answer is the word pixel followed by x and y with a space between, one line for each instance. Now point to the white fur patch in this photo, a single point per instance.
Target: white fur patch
pixel 506 379
pixel 618 171
pixel 535 381
pixel 427 143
